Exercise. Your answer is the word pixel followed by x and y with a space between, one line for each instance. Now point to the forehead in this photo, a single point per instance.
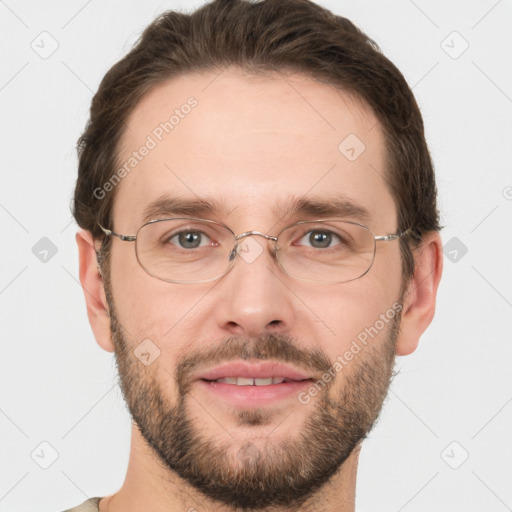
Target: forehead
pixel 250 146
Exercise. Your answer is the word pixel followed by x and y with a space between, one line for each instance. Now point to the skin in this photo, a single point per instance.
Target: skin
pixel 250 142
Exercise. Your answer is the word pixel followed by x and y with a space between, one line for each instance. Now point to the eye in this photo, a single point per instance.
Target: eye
pixel 189 239
pixel 319 239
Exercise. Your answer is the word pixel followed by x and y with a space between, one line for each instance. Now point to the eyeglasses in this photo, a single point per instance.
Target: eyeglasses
pixel 188 250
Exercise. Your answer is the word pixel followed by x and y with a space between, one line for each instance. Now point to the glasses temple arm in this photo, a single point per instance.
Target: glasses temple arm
pixel 411 231
pixel 124 238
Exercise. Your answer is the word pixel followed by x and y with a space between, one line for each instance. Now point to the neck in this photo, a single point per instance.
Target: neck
pixel 149 485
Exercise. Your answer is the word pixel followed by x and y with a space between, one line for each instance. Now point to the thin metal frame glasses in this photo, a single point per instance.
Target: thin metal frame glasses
pixel 348 259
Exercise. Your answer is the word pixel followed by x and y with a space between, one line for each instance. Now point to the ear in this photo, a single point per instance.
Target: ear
pixel 419 301
pixel 92 285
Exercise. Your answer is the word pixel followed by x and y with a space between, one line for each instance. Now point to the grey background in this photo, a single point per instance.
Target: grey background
pixel 452 398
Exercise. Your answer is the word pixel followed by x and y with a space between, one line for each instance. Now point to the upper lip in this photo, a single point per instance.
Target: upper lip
pixel 262 370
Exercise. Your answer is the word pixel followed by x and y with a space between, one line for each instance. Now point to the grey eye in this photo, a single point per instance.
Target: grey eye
pixel 189 239
pixel 319 239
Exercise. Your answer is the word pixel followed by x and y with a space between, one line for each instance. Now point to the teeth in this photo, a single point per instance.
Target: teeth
pixel 227 380
pixel 263 382
pixel 244 381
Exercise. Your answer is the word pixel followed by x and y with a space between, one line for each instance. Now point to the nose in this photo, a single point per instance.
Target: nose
pixel 253 297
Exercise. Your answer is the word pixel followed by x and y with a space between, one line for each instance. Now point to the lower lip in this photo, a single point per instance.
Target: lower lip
pixel 254 396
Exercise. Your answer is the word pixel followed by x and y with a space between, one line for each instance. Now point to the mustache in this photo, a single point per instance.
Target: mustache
pixel 275 347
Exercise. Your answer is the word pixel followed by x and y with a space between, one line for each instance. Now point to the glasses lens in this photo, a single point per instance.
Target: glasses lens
pixel 184 250
pixel 327 251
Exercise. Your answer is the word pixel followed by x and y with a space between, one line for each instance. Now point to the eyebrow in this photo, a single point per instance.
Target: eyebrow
pixel 166 206
pixel 322 207
pixel 318 207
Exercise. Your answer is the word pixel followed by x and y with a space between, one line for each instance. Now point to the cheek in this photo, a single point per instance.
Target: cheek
pixel 386 270
pixel 147 307
pixel 352 311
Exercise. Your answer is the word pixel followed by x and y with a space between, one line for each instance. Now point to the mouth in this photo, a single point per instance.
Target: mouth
pixel 253 381
pixel 253 385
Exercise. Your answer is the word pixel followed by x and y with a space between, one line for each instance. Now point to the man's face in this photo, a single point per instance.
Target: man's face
pixel 251 145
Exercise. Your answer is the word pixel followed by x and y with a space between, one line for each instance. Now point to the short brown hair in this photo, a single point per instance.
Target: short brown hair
pixel 267 35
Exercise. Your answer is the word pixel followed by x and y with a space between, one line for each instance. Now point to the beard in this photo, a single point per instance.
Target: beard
pixel 255 474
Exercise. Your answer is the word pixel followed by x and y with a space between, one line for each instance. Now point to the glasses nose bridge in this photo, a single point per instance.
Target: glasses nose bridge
pixel 255 233
pixel 241 236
